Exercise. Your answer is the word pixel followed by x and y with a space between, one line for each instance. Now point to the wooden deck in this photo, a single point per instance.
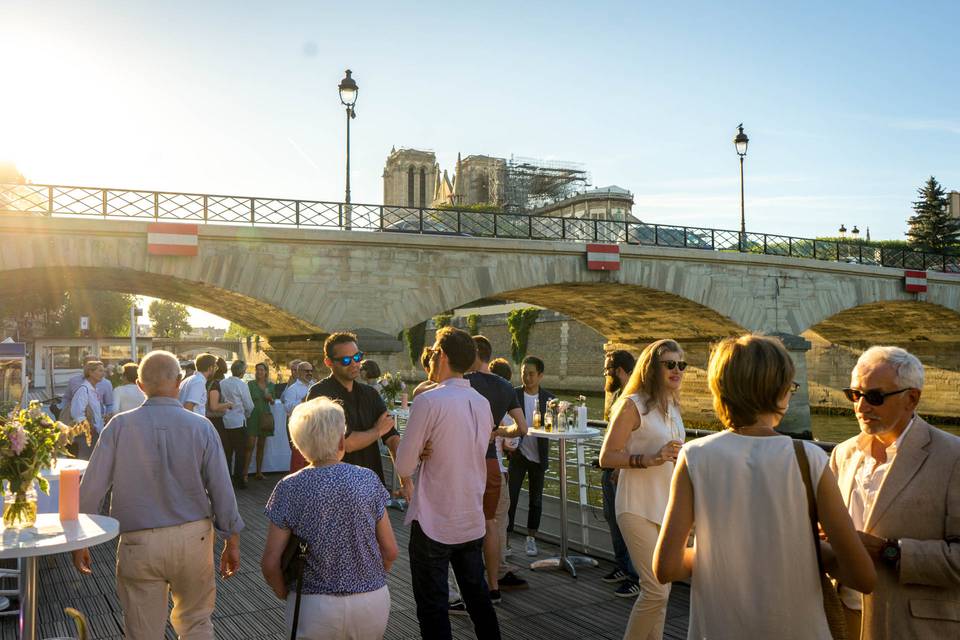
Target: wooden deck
pixel 556 606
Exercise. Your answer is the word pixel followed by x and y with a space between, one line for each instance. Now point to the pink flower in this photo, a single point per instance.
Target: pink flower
pixel 18 440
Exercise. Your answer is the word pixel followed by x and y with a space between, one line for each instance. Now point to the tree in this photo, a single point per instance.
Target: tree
pixel 932 228
pixel 519 323
pixel 237 331
pixel 109 313
pixel 169 319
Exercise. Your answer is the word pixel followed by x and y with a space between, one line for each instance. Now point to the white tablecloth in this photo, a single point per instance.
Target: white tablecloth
pixel 276 451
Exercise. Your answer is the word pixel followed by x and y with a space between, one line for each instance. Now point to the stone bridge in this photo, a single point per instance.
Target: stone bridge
pixel 291 285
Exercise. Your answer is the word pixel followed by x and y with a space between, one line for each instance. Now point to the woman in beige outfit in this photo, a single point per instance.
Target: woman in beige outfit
pixel 642 444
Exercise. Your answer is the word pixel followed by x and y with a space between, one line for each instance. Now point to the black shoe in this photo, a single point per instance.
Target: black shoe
pixel 510 582
pixel 495 596
pixel 614 576
pixel 457 608
pixel 627 589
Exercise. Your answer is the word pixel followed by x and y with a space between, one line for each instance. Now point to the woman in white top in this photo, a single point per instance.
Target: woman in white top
pixel 85 405
pixel 754 564
pixel 642 443
pixel 128 395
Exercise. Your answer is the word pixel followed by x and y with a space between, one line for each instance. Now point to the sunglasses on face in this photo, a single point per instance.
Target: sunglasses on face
pixel 674 364
pixel 874 397
pixel 346 360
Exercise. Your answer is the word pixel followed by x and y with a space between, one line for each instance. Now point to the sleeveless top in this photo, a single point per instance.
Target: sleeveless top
pixel 755 568
pixel 645 492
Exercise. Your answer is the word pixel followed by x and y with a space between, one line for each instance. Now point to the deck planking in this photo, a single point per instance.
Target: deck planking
pixel 555 606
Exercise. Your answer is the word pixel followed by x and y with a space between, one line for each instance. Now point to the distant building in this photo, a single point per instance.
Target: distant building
pixel 953 203
pixel 412 179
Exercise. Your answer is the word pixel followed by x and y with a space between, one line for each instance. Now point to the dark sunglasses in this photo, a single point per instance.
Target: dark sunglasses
pixel 673 364
pixel 874 397
pixel 346 360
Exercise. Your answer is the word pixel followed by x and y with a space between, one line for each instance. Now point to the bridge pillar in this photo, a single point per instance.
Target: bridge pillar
pixel 797 420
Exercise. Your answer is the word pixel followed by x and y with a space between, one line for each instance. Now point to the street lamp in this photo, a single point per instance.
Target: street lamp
pixel 348 96
pixel 855 232
pixel 740 142
pixel 842 231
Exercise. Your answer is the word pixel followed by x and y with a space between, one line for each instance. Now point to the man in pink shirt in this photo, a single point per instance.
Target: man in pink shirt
pixel 446 503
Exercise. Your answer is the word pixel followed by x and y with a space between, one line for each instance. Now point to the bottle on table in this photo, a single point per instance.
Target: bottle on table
pixel 537 419
pixel 548 422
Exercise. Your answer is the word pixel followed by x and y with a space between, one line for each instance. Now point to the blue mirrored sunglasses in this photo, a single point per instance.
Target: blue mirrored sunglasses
pixel 346 360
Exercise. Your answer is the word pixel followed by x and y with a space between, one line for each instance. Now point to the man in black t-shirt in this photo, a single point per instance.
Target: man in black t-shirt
pixel 366 414
pixel 503 401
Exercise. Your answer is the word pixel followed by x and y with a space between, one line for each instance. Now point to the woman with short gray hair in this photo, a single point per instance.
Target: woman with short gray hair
pixel 339 510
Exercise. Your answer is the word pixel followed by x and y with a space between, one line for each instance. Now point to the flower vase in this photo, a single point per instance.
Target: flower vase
pixel 20 507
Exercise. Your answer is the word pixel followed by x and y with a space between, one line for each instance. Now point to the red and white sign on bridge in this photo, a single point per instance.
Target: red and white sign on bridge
pixel 603 257
pixel 915 281
pixel 172 239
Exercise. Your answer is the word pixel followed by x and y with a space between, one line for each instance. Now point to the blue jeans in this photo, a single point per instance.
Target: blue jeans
pixel 620 553
pixel 429 560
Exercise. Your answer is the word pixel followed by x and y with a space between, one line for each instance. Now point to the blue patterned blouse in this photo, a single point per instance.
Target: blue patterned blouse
pixel 335 509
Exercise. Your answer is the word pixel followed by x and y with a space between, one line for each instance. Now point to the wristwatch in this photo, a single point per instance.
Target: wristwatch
pixel 890 552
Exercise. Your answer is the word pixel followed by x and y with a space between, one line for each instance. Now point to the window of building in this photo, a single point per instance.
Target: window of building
pixel 410 202
pixel 423 187
pixel 67 357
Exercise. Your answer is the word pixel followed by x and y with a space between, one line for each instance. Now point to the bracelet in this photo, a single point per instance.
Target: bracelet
pixel 636 461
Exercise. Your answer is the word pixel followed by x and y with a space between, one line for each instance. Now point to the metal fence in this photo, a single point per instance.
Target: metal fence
pixel 58 200
pixel 586 527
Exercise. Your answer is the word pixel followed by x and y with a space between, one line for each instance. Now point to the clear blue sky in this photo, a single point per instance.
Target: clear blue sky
pixel 849 106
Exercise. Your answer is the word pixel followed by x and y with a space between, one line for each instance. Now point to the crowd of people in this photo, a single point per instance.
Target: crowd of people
pixel 788 542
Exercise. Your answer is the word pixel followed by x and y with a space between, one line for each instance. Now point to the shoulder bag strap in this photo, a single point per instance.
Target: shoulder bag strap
pixel 302 561
pixel 804 465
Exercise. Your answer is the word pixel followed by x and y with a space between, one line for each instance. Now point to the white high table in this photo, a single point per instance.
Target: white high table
pixel 564 561
pixel 47 537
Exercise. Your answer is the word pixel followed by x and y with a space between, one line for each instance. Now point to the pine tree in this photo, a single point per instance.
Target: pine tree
pixel 932 228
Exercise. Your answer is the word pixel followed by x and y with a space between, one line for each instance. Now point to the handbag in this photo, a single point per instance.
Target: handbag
pixel 832 606
pixel 292 563
pixel 266 422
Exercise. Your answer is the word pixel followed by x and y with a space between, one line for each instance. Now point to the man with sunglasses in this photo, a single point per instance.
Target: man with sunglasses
pixel 366 414
pixel 900 479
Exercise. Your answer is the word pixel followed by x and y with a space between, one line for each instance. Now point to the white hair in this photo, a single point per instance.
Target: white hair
pixel 158 367
pixel 908 368
pixel 316 427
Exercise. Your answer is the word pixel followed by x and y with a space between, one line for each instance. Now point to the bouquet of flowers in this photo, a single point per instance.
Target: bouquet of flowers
pixel 391 387
pixel 30 441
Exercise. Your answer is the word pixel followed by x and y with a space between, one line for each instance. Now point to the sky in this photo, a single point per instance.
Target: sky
pixel 849 106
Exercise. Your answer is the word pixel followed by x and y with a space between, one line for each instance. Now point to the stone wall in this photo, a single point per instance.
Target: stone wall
pixel 829 365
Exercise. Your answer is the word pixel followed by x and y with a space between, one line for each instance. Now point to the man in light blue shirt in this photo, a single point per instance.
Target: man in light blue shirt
pixel 170 491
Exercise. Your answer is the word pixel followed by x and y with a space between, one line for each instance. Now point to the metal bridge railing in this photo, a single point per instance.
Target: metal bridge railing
pixel 60 200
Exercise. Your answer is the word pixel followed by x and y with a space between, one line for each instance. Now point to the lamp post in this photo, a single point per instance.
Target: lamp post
pixel 855 233
pixel 348 96
pixel 842 231
pixel 740 142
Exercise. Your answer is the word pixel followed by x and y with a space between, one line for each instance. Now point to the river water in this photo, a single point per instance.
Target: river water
pixel 828 428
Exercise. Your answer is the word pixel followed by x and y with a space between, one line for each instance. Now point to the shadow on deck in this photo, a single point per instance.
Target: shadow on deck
pixel 556 606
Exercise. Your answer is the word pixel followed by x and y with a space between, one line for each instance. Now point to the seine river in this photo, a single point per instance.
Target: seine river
pixel 828 428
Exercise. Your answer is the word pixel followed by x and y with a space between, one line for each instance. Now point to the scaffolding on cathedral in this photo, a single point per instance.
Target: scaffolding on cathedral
pixel 532 184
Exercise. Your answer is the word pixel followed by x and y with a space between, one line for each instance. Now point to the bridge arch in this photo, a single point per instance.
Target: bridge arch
pixel 252 313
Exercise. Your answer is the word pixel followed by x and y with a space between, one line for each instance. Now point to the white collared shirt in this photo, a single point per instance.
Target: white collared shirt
pixel 294 395
pixel 868 478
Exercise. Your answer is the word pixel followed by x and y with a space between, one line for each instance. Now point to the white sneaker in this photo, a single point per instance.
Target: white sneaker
pixel 531 546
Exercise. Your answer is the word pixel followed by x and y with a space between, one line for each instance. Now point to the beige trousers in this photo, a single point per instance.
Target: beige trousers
pixel 357 616
pixel 152 563
pixel 502 520
pixel 650 609
pixel 853 620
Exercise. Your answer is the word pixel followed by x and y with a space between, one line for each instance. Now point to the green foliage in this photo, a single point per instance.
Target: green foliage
pixel 893 244
pixel 33 313
pixel 473 324
pixel 169 319
pixel 109 313
pixel 932 228
pixel 520 322
pixel 480 207
pixel 442 320
pixel 237 331
pixel 413 340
